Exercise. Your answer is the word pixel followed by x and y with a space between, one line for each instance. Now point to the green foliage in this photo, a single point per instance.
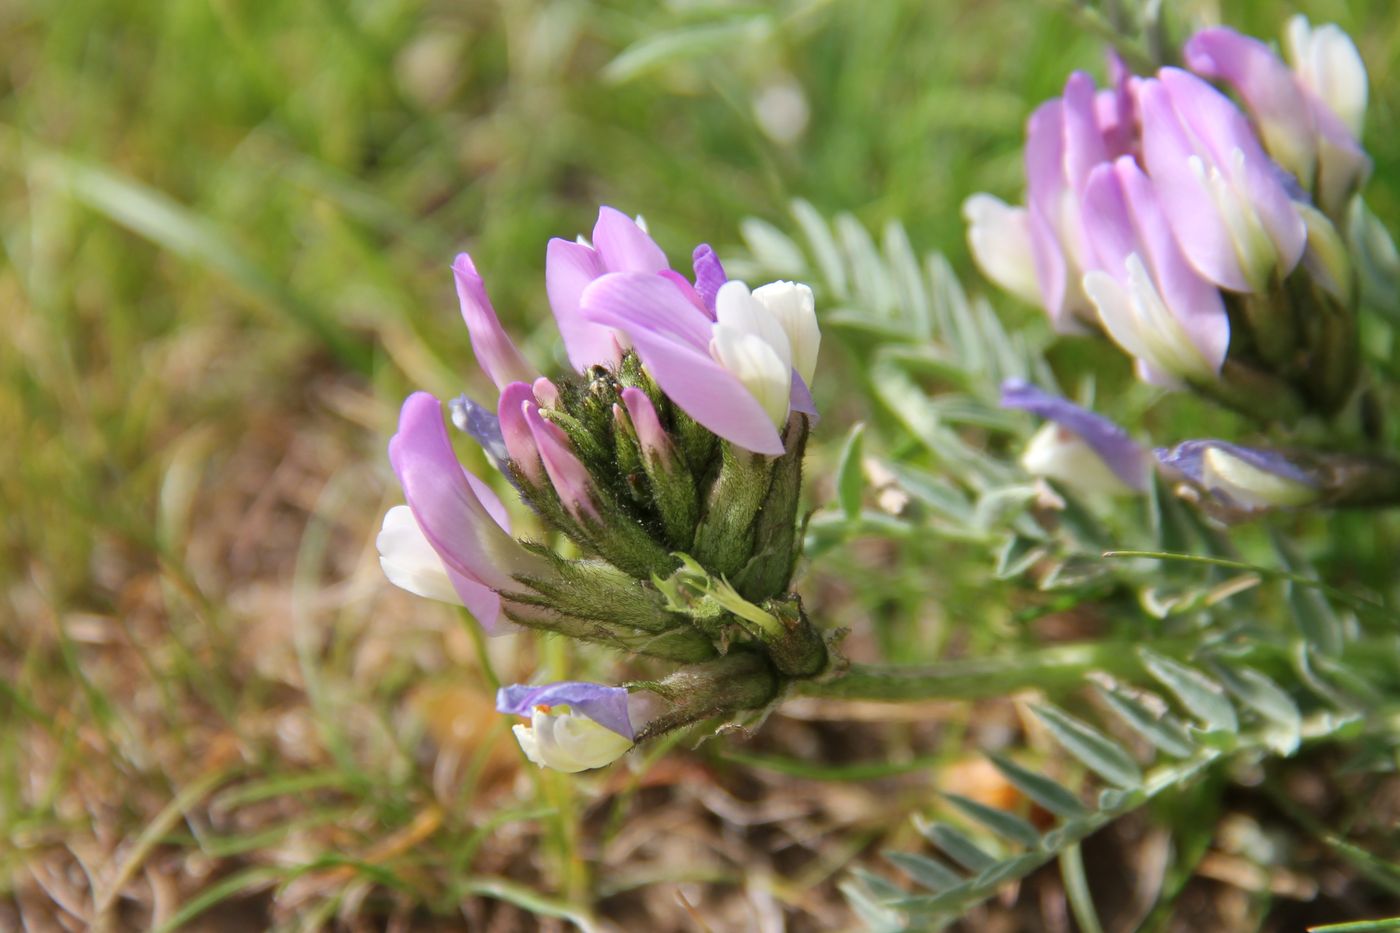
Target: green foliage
pixel 1255 669
pixel 226 232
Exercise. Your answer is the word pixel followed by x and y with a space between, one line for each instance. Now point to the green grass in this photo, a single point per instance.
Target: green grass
pixel 226 231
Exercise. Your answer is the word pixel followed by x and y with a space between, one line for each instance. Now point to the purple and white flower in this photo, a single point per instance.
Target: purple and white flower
pixel 1247 479
pixel 735 373
pixel 453 538
pixel 574 725
pixel 1151 302
pixel 1078 448
pixel 1222 195
pixel 1309 117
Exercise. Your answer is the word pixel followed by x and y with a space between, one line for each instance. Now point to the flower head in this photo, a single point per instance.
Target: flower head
pixel 682 435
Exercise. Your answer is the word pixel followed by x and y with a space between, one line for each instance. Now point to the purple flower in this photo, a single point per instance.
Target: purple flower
pixel 1064 142
pixel 1150 300
pixel 1298 125
pixel 607 706
pixel 574 725
pixel 1239 478
pixel 1084 450
pixel 457 515
pixel 619 245
pixel 733 375
pixel 1223 197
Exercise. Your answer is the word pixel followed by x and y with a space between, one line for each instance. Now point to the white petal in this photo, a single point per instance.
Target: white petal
pixel 1250 486
pixel 735 307
pixel 526 737
pixel 1061 455
pixel 794 308
pixel 409 561
pixel 1116 313
pixel 568 742
pixel 1328 64
pixel 1169 345
pixel 754 362
pixel 1000 238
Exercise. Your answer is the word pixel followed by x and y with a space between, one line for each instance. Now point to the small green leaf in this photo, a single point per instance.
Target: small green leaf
pixel 1050 795
pixel 1162 731
pixel 876 916
pixel 1096 751
pixel 904 267
pixel 824 249
pixel 925 871
pixel 870 277
pixel 1001 822
pixel 1203 698
pixel 773 249
pixel 1312 612
pixel 941 497
pixel 1269 700
pixel 849 481
pixel 881 887
pixel 1017 555
pixel 958 847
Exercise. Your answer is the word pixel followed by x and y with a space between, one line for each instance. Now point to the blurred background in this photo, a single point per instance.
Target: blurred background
pixel 226 230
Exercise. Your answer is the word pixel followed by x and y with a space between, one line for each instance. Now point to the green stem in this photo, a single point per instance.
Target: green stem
pixel 1060 667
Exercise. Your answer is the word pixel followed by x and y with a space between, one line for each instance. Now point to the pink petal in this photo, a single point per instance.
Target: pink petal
pixel 624 246
pixel 460 529
pixel 1084 144
pixel 515 431
pixel 673 338
pixel 495 352
pixel 568 269
pixel 567 474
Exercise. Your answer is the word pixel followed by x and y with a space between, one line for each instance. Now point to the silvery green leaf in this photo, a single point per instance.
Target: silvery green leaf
pixel 904 269
pixel 1001 822
pixel 1163 731
pixel 1095 751
pixel 958 847
pixel 869 276
pixel 1050 795
pixel 1017 555
pixel 1270 701
pixel 827 254
pixel 925 871
pixel 774 250
pixel 849 480
pixel 1203 698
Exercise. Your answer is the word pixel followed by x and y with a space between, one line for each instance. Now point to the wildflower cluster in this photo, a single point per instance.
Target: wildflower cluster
pixel 1202 238
pixel 671 459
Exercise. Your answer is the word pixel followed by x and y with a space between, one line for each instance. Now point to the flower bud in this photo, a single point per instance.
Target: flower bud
pixel 574 725
pixel 1240 481
pixel 1083 451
